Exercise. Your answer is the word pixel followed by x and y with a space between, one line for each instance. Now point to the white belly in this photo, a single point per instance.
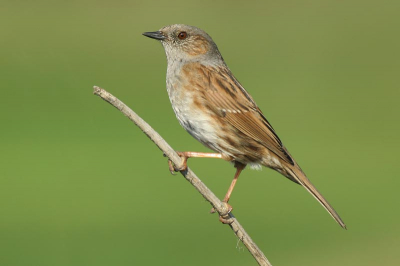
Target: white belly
pixel 195 121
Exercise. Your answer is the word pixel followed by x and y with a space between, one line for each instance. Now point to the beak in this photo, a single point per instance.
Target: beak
pixel 155 35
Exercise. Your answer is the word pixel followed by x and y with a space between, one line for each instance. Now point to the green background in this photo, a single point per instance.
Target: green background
pixel 81 185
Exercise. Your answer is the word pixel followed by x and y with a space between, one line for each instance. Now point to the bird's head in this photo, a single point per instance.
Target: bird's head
pixel 183 42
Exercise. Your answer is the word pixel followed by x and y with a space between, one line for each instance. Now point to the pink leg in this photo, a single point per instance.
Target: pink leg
pixel 239 168
pixel 190 154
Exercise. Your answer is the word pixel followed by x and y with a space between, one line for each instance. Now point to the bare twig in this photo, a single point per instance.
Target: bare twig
pixel 218 205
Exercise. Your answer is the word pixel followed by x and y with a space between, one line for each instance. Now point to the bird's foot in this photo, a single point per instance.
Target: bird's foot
pixel 225 218
pixel 173 168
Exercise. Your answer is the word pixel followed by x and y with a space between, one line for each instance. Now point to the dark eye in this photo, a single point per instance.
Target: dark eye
pixel 182 35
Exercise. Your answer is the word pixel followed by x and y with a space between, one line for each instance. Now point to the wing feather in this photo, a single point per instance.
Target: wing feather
pixel 233 103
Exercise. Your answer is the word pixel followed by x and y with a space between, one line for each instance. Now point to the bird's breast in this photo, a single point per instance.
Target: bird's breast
pixel 189 109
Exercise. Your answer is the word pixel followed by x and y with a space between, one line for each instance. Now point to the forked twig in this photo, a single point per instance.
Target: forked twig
pixel 217 204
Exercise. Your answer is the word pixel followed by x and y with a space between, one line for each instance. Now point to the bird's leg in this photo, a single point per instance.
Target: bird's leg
pixel 239 167
pixel 190 154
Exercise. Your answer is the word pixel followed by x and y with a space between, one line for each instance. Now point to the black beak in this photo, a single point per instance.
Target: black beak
pixel 154 35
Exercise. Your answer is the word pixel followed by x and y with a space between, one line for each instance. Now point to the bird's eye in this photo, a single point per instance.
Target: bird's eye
pixel 182 35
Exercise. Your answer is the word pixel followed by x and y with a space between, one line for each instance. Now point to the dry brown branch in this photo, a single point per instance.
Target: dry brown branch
pixel 218 205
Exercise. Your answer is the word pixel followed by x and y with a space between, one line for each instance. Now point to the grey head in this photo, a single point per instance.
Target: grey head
pixel 187 43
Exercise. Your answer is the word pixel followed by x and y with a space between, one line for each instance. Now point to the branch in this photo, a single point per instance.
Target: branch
pixel 218 205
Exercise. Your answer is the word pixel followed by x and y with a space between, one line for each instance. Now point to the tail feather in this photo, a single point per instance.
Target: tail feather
pixel 296 173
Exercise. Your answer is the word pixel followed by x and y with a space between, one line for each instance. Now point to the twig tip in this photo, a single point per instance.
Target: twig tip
pixel 96 89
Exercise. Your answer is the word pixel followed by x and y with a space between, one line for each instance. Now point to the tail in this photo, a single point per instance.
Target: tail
pixel 299 177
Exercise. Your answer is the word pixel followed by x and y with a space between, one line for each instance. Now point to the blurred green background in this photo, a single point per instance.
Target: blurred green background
pixel 81 185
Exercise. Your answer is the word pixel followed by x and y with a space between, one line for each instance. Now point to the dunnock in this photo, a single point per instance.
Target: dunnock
pixel 215 109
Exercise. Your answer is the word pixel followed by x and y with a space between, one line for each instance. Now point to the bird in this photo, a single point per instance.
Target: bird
pixel 213 107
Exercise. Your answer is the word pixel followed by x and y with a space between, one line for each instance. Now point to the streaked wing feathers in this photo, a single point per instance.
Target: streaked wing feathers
pixel 232 102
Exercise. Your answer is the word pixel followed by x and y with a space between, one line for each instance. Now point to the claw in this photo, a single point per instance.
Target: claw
pixel 184 161
pixel 225 218
pixel 228 220
pixel 173 168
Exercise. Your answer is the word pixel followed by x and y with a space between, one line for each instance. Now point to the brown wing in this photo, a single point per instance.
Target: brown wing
pixel 232 102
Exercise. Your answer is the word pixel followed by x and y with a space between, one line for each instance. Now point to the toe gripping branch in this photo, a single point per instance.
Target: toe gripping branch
pixel 225 217
pixel 173 168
